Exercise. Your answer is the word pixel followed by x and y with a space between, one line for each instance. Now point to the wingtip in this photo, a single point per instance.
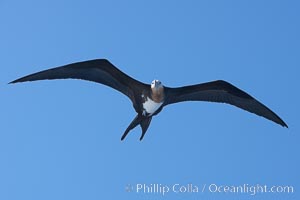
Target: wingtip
pixel 12 82
pixel 282 123
pixel 16 81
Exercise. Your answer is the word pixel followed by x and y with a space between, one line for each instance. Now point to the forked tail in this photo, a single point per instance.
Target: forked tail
pixel 143 121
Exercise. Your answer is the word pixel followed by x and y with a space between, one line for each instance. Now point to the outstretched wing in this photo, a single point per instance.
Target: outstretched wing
pixel 221 92
pixel 98 70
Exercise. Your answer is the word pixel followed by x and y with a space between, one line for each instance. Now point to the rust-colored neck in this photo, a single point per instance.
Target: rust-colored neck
pixel 158 94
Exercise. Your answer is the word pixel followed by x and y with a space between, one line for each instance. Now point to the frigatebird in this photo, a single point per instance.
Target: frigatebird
pixel 149 100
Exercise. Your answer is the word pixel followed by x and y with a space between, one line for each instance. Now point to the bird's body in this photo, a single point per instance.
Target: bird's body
pixel 150 107
pixel 149 100
pixel 153 101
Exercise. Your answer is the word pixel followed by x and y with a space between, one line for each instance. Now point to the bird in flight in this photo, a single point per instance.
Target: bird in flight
pixel 149 100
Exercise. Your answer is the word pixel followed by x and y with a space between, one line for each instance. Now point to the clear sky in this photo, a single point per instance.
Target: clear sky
pixel 61 139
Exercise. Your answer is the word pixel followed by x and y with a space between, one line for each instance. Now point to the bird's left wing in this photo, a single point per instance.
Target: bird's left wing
pixel 98 70
pixel 221 92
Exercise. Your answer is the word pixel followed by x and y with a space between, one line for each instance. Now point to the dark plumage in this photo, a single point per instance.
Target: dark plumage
pixel 148 100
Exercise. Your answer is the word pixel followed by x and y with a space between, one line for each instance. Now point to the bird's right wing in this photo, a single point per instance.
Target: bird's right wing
pixel 98 70
pixel 221 92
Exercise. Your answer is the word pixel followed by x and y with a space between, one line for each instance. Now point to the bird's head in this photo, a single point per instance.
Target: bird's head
pixel 156 84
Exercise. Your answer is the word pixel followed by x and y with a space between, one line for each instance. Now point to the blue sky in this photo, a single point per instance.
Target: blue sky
pixel 61 139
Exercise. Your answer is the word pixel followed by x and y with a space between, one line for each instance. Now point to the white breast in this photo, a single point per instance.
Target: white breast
pixel 151 106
